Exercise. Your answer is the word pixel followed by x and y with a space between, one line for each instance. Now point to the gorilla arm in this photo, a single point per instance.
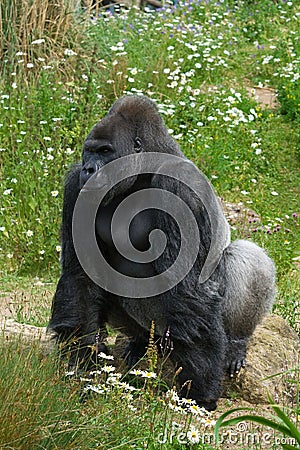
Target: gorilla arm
pixel 74 314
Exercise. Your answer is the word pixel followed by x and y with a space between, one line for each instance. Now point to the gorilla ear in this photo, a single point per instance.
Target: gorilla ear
pixel 137 144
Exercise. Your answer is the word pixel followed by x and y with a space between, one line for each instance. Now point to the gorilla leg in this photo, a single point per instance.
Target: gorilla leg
pixel 247 277
pixel 199 343
pixel 78 318
pixel 120 320
pixel 202 365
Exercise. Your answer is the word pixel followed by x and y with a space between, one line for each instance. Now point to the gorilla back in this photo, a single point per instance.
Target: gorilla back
pixel 209 321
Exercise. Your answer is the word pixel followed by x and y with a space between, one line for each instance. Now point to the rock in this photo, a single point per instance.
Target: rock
pixel 11 329
pixel 274 349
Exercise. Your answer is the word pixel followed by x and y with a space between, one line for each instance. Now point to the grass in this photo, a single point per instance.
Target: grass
pixel 43 408
pixel 59 73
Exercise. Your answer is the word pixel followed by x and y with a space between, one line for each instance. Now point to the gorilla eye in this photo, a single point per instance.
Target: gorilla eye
pixel 104 149
pixel 137 144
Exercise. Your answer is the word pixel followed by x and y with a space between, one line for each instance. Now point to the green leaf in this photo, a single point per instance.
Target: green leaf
pixel 289 447
pixel 293 430
pixel 252 418
pixel 220 422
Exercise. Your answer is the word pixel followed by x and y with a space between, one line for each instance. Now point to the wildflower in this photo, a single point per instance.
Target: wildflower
pixel 58 248
pixel 149 375
pixel 194 409
pixel 29 233
pixel 274 193
pixel 37 41
pixel 29 65
pixel 69 52
pixel 126 386
pixel 136 372
pixel 209 422
pixel 186 401
pixel 132 408
pixel 2 228
pixel 95 372
pixel 98 389
pixel 105 356
pixel 176 408
pixel 54 193
pixel 108 369
pixel 193 435
pixel 172 395
pixel 7 191
pixel 14 85
pixel 127 397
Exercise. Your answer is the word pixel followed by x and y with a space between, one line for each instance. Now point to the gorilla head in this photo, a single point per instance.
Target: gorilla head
pixel 132 125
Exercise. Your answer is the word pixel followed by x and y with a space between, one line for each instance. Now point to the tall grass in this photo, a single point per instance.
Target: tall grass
pixel 44 408
pixel 25 23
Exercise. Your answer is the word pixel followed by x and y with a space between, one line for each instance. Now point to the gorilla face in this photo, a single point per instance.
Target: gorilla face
pixel 132 125
pixel 106 142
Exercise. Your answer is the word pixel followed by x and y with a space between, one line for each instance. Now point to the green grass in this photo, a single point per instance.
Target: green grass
pixel 196 62
pixel 43 408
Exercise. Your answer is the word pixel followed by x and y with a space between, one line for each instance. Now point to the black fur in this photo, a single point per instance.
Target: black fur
pixel 208 324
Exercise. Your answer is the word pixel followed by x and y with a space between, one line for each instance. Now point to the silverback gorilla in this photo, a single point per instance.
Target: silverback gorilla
pixel 208 323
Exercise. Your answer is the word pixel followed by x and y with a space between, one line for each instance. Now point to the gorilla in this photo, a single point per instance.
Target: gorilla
pixel 204 323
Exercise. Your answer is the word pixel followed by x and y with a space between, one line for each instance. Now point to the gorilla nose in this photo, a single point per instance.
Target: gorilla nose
pixel 87 171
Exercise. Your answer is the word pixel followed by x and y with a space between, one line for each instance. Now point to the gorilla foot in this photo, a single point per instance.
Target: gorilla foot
pixel 236 356
pixel 85 358
pixel 209 405
pixel 235 366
